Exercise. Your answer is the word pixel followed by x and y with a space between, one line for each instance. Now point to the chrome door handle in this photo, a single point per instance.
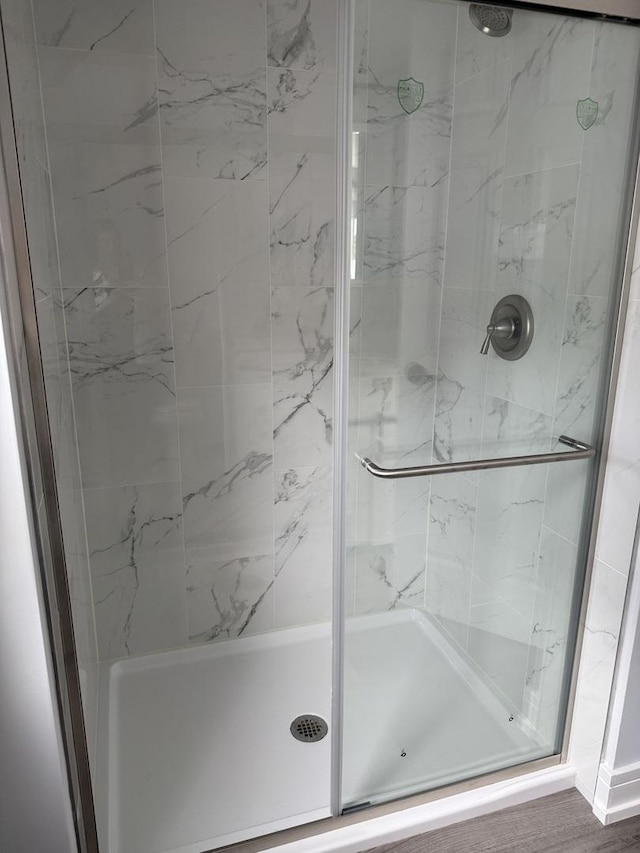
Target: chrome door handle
pixel 580 449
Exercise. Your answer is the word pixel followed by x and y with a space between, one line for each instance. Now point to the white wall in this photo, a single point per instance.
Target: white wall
pixel 35 810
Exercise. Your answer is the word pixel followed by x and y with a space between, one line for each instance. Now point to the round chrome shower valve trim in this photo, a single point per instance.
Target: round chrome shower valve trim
pixel 510 329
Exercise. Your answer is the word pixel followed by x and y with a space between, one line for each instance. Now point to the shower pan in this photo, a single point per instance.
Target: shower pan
pixel 323 296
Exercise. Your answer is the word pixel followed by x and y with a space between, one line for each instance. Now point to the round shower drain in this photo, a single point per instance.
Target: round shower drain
pixel 308 728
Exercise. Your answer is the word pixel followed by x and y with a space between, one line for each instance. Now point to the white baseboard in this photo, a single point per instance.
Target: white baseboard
pixel 617 793
pixel 435 815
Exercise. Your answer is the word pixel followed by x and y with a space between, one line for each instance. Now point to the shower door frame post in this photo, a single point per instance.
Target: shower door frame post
pixel 344 100
pixel 57 620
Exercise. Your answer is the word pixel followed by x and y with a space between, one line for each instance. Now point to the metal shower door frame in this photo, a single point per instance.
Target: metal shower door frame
pixel 60 627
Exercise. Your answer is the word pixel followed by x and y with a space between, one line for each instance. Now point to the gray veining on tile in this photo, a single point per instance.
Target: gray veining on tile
pixel 302 341
pixel 301 34
pixel 121 359
pixel 212 88
pixel 226 464
pixel 228 598
pixel 135 545
pixel 123 26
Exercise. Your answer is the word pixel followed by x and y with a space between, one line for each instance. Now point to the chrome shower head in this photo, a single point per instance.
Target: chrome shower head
pixel 491 20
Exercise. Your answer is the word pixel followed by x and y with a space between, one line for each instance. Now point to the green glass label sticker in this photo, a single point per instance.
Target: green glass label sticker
pixel 410 94
pixel 587 113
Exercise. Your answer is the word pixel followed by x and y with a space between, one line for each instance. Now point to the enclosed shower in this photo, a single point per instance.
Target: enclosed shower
pixel 326 295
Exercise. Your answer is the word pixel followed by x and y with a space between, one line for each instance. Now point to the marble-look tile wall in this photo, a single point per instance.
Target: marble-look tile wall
pixel 192 158
pixel 490 187
pixel 20 43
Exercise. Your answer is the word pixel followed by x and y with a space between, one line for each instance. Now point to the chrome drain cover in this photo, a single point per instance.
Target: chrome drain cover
pixel 308 728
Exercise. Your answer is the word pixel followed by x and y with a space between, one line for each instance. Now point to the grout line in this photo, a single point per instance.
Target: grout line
pixel 169 290
pixel 542 171
pixel 441 306
pixel 357 472
pixel 274 597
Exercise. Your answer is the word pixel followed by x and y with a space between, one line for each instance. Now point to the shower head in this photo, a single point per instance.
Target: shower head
pixel 491 20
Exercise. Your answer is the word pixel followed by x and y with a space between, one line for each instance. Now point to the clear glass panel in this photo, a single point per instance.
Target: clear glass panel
pixel 178 172
pixel 482 167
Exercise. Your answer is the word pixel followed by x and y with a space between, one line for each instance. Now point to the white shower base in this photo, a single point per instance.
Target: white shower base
pixel 198 752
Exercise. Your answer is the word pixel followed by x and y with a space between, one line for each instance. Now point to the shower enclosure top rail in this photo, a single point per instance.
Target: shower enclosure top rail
pixel 579 450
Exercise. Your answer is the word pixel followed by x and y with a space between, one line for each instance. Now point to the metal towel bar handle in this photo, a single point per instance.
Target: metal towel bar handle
pixel 580 450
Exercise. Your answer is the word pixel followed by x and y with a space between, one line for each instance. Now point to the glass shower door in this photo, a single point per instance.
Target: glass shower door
pixel 490 169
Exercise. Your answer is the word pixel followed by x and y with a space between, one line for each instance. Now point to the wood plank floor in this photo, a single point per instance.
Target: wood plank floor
pixel 561 823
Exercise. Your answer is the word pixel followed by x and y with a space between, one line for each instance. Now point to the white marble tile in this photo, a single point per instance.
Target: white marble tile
pixel 621 495
pixel 302 220
pixel 303 587
pixel 405 149
pixel 121 360
pixel 99 97
pixel 603 170
pixel 301 111
pixel 461 373
pixel 578 386
pixel 137 567
pixel 550 73
pixel 212 87
pixel 117 26
pixel 452 514
pixel 302 504
pixel 301 33
pixel 508 524
pixel 399 331
pixel 380 339
pixel 404 234
pixel 477 166
pixel 228 598
pixel 395 421
pixel 303 545
pixel 302 341
pixel 301 128
pixel 583 345
pixel 109 215
pixel 389 510
pixel 409 40
pixel 595 676
pixel 533 261
pixel 498 642
pixel 475 52
pixel 390 575
pixel 218 268
pixel 102 128
pixel 512 430
pixel 549 651
pixel 413 38
pixel 227 473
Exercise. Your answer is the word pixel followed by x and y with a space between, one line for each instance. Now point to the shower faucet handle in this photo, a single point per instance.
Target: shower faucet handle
pixel 510 329
pixel 504 328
